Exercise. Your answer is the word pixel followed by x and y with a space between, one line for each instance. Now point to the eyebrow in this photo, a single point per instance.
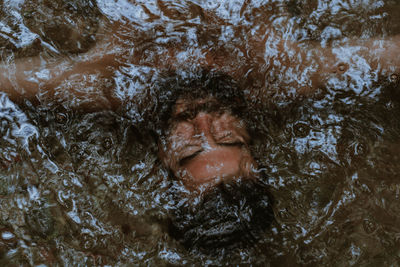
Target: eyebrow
pixel 192 111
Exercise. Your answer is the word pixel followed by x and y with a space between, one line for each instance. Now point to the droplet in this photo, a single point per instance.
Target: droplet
pixel 365 189
pixel 107 143
pixel 74 148
pixel 342 67
pixel 7 235
pixel 390 105
pixel 88 243
pixel 369 226
pixel 360 149
pixel 393 77
pixel 61 118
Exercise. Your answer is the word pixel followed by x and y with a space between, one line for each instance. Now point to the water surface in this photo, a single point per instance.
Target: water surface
pixel 81 183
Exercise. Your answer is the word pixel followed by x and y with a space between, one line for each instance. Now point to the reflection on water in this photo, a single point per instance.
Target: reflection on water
pixel 81 182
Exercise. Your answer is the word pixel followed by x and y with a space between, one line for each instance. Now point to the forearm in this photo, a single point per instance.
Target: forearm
pixel 306 67
pixel 29 77
pixel 360 61
pixel 16 78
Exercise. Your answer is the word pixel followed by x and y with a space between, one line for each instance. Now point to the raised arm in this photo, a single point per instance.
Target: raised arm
pixel 281 64
pixel 301 66
pixel 30 77
pixel 350 59
pixel 83 75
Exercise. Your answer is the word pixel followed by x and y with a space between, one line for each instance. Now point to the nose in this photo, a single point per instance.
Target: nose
pixel 202 123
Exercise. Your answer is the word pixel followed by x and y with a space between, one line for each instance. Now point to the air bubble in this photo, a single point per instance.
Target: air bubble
pixel 107 143
pixel 369 226
pixel 61 118
pixel 342 67
pixel 6 235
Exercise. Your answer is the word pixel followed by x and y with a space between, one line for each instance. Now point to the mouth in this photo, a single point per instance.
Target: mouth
pixel 203 166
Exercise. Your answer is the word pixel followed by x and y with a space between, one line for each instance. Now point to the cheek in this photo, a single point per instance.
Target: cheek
pixel 178 139
pixel 248 165
pixel 179 136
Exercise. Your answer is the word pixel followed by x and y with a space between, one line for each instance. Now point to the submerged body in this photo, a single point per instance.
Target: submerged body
pixel 317 156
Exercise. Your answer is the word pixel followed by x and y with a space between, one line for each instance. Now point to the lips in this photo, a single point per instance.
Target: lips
pixel 220 162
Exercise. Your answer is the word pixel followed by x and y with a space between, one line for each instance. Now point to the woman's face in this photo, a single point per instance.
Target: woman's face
pixel 207 147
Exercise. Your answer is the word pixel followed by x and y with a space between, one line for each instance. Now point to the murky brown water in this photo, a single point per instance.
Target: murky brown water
pixel 81 183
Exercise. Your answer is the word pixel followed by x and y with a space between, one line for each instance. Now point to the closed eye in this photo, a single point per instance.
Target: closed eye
pixel 234 143
pixel 187 159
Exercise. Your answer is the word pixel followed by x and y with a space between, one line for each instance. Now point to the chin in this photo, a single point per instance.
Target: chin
pixel 230 214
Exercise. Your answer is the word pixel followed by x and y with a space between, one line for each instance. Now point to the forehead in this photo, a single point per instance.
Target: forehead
pixel 185 103
pixel 187 106
pixel 222 119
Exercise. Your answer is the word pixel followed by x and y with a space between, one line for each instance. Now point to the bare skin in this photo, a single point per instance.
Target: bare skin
pixel 210 145
pixel 20 79
pixel 208 149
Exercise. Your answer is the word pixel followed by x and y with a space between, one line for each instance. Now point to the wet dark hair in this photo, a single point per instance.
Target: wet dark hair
pixel 230 215
pixel 194 85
